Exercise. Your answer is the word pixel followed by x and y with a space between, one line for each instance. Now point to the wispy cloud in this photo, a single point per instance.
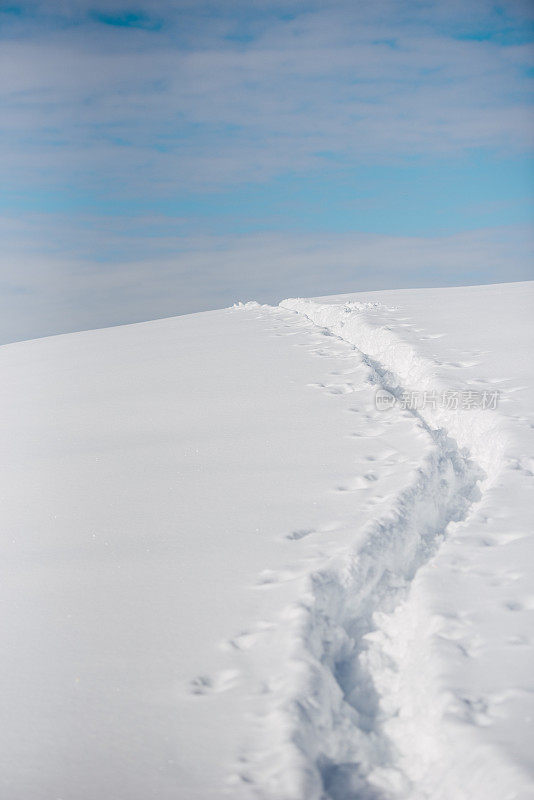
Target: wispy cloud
pixel 114 112
pixel 127 19
pixel 170 273
pixel 363 81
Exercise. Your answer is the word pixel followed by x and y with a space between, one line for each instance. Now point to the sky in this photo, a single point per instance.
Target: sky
pixel 162 157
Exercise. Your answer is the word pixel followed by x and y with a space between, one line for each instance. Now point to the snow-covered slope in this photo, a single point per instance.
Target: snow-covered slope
pixel 227 573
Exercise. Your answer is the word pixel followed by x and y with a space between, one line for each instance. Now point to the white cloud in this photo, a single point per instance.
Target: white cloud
pixel 229 92
pixel 48 292
pixel 364 81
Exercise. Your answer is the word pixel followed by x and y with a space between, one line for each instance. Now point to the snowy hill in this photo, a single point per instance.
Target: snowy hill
pixel 228 573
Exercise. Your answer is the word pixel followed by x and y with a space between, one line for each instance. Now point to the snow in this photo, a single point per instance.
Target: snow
pixel 228 574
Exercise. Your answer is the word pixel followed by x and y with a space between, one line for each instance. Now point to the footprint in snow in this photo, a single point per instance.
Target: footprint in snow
pixel 267 577
pixel 503 538
pixel 270 577
pixel 474 710
pixel 516 605
pixel 340 388
pixel 202 684
pixel 360 482
pixel 246 640
pixel 524 465
pixel 376 500
pixel 205 684
pixel 301 533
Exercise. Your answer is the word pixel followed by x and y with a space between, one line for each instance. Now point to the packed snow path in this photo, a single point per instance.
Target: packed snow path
pixel 228 574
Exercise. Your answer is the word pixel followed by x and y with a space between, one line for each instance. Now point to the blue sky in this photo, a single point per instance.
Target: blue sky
pixel 167 157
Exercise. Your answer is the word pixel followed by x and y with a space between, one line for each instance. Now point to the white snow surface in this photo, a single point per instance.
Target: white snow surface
pixel 226 573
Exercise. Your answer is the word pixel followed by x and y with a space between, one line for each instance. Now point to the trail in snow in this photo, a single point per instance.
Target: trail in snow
pixel 227 574
pixel 339 726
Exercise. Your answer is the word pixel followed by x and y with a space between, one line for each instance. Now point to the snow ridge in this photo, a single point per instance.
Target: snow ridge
pixel 342 723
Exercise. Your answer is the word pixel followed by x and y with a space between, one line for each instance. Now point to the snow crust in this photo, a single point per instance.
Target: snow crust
pixel 228 574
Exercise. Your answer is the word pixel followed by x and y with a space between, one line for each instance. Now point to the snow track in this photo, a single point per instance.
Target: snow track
pixel 358 714
pixel 228 574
